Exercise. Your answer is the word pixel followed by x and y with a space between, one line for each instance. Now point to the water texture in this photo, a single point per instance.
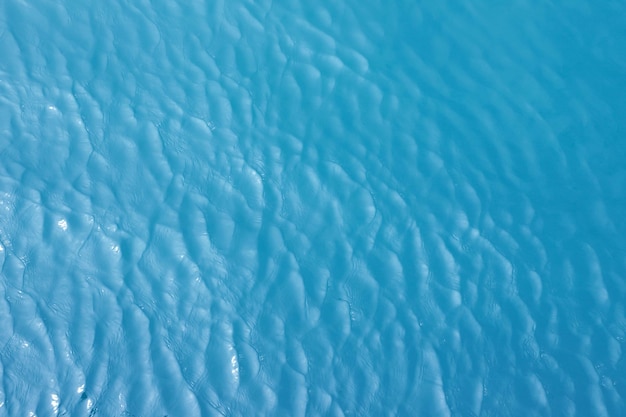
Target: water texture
pixel 328 208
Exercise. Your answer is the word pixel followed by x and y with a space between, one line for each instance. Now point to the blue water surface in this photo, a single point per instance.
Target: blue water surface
pixel 291 208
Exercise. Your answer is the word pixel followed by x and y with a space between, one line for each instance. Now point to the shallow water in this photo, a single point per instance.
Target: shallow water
pixel 336 208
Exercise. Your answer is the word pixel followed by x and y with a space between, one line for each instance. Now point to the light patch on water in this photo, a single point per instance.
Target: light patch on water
pixel 62 224
pixel 5 202
pixel 234 362
pixel 55 403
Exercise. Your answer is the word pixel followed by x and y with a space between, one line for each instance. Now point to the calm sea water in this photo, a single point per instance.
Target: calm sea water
pixel 327 208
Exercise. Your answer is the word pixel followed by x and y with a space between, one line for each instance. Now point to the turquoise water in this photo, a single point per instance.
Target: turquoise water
pixel 312 208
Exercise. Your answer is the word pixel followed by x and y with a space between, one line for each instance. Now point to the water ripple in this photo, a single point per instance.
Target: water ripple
pixel 328 209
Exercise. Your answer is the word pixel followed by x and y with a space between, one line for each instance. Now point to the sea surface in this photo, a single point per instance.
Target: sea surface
pixel 312 208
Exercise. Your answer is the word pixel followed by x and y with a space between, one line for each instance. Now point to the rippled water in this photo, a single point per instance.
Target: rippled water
pixel 312 208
